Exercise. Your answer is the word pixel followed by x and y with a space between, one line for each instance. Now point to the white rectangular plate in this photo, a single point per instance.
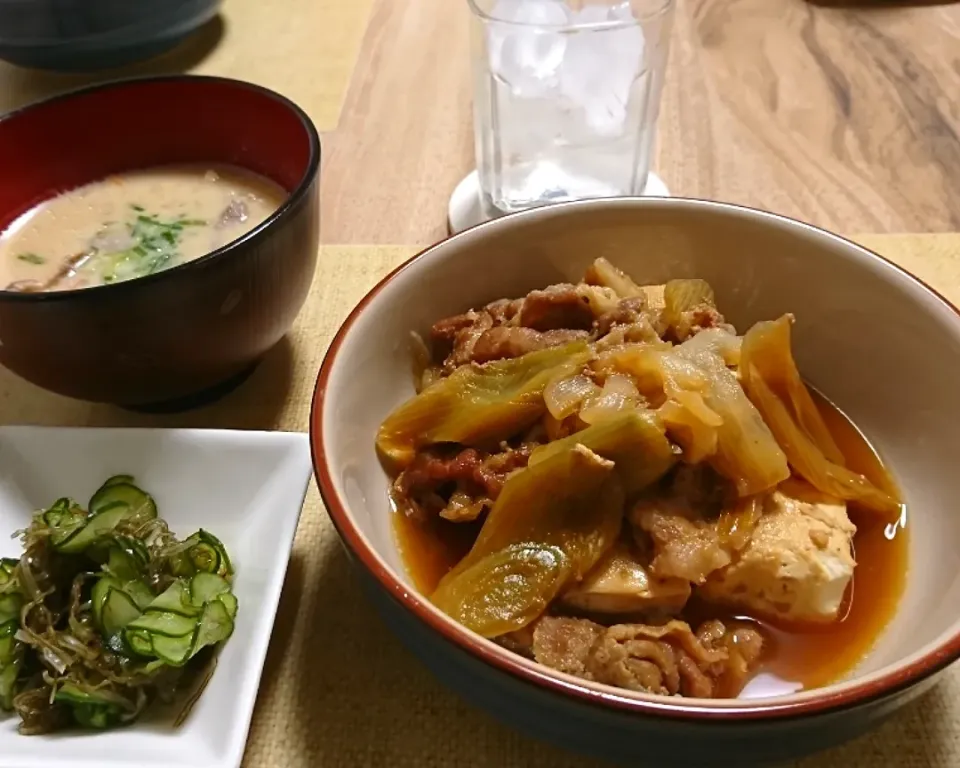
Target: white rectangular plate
pixel 247 488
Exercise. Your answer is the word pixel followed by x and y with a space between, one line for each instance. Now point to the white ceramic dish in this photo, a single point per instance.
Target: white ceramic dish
pixel 245 487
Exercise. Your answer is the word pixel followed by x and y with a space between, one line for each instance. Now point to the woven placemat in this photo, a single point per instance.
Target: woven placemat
pixel 337 688
pixel 322 37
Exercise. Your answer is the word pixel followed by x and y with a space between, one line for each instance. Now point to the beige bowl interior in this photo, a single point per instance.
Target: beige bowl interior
pixel 868 336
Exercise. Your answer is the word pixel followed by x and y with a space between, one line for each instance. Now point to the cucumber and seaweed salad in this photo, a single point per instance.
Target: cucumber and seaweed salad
pixel 106 612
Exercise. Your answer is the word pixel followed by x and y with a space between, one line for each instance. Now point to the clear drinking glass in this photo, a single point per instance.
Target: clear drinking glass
pixel 566 97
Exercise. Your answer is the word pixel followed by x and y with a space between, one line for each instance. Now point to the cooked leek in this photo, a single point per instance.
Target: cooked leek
pixel 808 460
pixel 680 297
pixel 477 405
pixel 633 440
pixel 550 525
pixel 767 347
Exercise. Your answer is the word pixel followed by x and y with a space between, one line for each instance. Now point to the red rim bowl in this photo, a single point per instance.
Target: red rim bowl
pixel 821 701
pixel 192 327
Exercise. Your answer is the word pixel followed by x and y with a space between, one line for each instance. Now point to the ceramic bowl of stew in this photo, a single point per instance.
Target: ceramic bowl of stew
pixel 883 396
pixel 85 35
pixel 152 262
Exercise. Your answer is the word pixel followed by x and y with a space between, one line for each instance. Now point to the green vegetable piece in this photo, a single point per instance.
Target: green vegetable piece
pixel 79 538
pixel 477 405
pixel 11 659
pixel 90 709
pixel 138 641
pixel 176 599
pixel 140 503
pixel 10 604
pixel 127 558
pixel 66 518
pixel 97 716
pixel 119 609
pixel 118 480
pixel 633 440
pixel 549 526
pixel 216 625
pixel 229 601
pixel 175 651
pixel 204 587
pixel 32 258
pixel 7 566
pixel 506 589
pixel 208 555
pixel 164 624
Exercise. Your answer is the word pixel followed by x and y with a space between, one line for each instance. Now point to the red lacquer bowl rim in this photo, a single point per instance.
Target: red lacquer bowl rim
pixel 284 212
pixel 850 695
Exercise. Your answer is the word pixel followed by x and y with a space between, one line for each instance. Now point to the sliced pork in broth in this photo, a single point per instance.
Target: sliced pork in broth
pixel 608 479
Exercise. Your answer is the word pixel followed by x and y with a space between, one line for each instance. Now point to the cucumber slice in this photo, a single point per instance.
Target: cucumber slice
pixel 11 658
pixel 204 587
pixel 7 566
pixel 215 626
pixel 98 596
pixel 8 684
pixel 97 716
pixel 109 517
pixel 140 503
pixel 209 555
pixel 175 651
pixel 118 480
pixel 229 601
pixel 175 599
pixel 118 611
pixel 138 641
pixel 10 605
pixel 126 560
pixel 164 624
pixel 89 709
pixel 65 517
pixel 140 593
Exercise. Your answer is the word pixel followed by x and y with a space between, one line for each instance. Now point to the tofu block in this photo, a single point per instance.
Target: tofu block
pixel 798 562
pixel 622 583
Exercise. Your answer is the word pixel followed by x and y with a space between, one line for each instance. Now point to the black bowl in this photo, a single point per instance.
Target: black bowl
pixel 79 35
pixel 185 334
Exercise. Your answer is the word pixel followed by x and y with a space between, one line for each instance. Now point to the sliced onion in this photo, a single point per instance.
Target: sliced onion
pixel 564 396
pixel 603 273
pixel 696 438
pixel 619 394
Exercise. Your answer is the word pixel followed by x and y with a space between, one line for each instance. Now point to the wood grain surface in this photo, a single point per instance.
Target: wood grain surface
pixel 848 118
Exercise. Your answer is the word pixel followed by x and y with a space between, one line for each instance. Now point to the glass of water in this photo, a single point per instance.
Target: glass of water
pixel 566 97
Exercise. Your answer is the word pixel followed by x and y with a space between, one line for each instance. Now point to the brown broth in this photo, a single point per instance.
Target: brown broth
pixel 807 657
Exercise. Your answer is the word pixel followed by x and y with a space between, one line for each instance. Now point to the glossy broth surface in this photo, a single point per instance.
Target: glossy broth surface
pixel 132 225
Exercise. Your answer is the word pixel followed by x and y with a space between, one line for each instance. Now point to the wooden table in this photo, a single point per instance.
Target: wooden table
pixel 846 118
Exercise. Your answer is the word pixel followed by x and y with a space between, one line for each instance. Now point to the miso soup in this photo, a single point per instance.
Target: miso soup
pixel 131 225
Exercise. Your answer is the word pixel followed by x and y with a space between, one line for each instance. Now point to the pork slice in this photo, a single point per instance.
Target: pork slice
pixel 504 342
pixel 666 659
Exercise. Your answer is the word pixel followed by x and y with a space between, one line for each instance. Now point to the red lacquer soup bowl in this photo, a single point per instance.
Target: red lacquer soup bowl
pixel 873 339
pixel 177 336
